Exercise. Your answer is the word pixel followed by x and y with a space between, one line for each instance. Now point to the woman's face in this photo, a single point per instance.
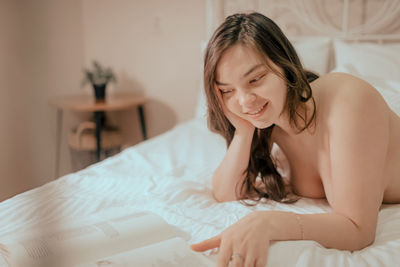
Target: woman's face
pixel 249 88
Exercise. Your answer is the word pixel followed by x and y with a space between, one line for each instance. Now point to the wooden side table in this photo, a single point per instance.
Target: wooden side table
pixel 87 103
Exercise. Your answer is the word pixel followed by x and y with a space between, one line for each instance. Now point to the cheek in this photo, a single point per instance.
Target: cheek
pixel 232 105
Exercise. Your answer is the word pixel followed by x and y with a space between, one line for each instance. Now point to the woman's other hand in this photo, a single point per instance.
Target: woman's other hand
pixel 244 243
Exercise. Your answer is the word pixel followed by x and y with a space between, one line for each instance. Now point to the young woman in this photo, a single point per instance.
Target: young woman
pixel 341 140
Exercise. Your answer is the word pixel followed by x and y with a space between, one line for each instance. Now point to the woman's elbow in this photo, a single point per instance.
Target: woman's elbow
pixel 367 240
pixel 222 197
pixel 223 194
pixel 364 240
pixel 223 191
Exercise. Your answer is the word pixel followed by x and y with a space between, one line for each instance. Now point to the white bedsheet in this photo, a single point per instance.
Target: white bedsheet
pixel 171 175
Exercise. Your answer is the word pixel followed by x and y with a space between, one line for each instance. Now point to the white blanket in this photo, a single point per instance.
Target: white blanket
pixel 171 175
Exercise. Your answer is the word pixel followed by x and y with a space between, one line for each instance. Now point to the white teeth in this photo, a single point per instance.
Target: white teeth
pixel 258 110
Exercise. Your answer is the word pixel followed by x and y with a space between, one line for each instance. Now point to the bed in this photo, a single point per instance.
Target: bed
pixel 170 175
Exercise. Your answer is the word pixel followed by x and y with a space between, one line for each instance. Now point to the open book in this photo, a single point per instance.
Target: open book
pixel 136 239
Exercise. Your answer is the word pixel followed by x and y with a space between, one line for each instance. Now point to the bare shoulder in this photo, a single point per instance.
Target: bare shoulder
pixel 346 96
pixel 345 85
pixel 363 136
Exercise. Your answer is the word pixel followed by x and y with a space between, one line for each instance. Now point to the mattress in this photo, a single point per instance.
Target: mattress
pixel 170 175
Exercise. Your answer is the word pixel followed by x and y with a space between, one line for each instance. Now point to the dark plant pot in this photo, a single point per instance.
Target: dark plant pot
pixel 100 92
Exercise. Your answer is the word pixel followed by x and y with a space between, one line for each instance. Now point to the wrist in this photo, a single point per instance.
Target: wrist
pixel 248 131
pixel 284 225
pixel 266 222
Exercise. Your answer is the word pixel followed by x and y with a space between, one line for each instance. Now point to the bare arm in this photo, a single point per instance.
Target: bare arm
pixel 231 170
pixel 332 230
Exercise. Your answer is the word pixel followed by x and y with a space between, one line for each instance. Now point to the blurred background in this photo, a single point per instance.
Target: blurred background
pixel 152 46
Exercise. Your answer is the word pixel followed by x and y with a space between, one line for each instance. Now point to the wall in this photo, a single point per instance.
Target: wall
pixel 43 52
pixel 13 104
pixel 44 45
pixel 154 46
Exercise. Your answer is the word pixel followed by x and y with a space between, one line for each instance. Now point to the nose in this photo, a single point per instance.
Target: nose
pixel 246 98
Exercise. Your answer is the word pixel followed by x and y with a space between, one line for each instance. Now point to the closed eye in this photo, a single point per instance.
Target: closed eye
pixel 257 79
pixel 225 91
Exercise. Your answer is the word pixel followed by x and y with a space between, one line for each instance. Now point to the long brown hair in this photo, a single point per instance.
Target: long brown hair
pixel 256 31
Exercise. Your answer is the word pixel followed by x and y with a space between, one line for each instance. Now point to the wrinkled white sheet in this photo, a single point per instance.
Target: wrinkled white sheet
pixel 170 175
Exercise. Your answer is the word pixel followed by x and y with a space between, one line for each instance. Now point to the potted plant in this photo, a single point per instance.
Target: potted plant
pixel 99 77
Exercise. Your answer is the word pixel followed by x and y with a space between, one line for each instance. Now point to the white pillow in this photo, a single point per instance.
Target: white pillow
pixel 314 52
pixel 390 90
pixel 369 59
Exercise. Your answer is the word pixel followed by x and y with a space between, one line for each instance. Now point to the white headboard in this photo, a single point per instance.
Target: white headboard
pixel 377 20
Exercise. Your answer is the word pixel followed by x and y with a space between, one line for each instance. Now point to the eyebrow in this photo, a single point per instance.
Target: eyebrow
pixel 246 74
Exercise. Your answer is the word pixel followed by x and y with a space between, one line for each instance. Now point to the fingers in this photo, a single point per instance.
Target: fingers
pixel 261 261
pixel 250 259
pixel 237 260
pixel 243 257
pixel 207 244
pixel 245 261
pixel 225 253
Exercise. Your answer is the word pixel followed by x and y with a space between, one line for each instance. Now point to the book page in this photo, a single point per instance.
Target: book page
pixel 169 253
pixel 90 241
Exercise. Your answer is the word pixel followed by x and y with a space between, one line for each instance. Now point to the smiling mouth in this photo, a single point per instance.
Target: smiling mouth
pixel 257 112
